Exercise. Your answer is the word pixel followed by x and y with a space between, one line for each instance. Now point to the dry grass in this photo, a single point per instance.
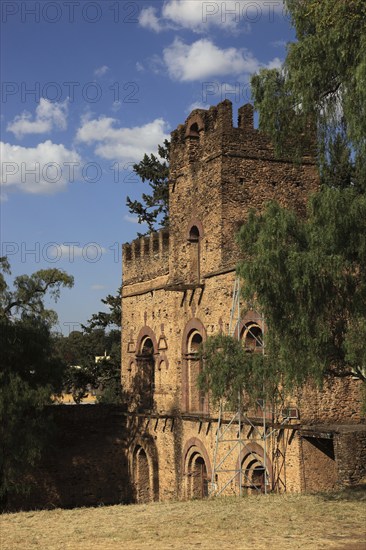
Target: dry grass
pixel 258 522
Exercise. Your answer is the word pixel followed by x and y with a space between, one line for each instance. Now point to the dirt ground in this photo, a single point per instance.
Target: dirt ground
pixel 306 522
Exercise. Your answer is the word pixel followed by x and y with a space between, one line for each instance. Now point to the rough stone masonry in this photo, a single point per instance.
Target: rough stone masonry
pixel 177 291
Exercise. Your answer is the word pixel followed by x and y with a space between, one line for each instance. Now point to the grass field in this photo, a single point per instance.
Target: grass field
pixel 335 521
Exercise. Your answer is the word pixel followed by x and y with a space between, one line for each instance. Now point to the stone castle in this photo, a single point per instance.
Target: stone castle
pixel 177 291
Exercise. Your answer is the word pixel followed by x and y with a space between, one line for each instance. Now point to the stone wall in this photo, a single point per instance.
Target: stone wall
pixel 146 258
pixel 350 444
pixel 86 463
pixel 319 466
pixel 218 172
pixel 338 401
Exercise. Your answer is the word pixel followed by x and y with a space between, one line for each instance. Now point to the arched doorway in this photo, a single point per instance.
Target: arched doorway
pixel 197 469
pixel 254 476
pixel 258 478
pixel 142 476
pixel 197 477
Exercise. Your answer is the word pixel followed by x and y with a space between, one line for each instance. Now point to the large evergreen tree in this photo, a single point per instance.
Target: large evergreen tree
pixel 308 275
pixel 153 209
pixel 322 81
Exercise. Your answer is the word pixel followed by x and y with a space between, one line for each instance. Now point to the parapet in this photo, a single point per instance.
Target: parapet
pixel 211 131
pixel 146 258
pixel 217 119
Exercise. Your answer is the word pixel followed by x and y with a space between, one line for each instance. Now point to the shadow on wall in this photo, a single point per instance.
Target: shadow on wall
pixel 143 458
pixel 86 464
pixel 144 468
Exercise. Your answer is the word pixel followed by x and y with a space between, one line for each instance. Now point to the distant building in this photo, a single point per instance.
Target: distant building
pixel 99 358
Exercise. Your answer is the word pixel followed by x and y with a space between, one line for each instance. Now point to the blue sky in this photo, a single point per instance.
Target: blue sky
pixel 87 88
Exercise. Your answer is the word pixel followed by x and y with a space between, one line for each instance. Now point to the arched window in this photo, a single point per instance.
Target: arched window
pixel 196 398
pixel 146 372
pixel 194 342
pixel 252 337
pixel 147 347
pixel 194 254
pixel 193 130
pixel 194 234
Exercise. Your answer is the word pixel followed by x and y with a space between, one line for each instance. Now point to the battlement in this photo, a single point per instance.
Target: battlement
pixel 206 132
pixel 146 257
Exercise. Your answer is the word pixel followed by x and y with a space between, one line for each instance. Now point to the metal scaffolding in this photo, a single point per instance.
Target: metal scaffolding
pixel 234 446
pixel 249 429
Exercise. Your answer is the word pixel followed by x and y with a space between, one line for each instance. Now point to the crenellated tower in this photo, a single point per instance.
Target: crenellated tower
pixel 178 290
pixel 217 173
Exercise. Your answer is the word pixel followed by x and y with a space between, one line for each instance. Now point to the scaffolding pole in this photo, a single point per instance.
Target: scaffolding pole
pixel 236 446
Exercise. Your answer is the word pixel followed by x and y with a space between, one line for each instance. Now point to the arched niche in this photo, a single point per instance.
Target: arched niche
pixel 193 399
pixel 196 469
pixel 194 126
pixel 252 463
pixel 194 240
pixel 250 331
pixel 251 336
pixel 146 358
pixel 144 472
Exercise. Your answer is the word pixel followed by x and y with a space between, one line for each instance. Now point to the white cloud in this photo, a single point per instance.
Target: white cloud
pixel 156 64
pixel 69 251
pixel 44 169
pixel 139 67
pixel 97 287
pixel 200 15
pixel 204 59
pixel 149 19
pixel 197 105
pixel 131 219
pixel 90 252
pixel 49 115
pixel 276 63
pixel 122 144
pixel 100 71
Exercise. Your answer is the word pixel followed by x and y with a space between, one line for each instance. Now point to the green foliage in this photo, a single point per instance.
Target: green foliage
pixel 80 349
pixel 307 275
pixel 27 349
pixel 30 372
pixel 154 208
pixel 228 370
pixel 323 79
pixel 337 168
pixel 104 319
pixel 84 374
pixel 29 290
pixel 24 430
pixel 308 279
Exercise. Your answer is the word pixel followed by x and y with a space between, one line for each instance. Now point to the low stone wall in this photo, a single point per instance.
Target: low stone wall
pixel 86 464
pixel 350 447
pixel 100 455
